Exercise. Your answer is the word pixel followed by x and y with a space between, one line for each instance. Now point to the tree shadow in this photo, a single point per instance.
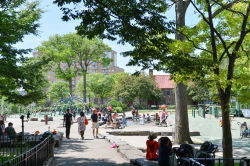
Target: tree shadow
pixel 86 161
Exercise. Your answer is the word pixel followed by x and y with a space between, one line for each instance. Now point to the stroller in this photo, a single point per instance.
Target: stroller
pixel 244 131
pixel 207 151
pixel 183 154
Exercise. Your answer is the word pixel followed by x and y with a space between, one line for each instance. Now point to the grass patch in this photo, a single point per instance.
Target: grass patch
pixel 221 164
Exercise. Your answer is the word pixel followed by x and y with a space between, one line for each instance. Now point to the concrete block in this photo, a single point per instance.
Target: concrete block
pixel 33 119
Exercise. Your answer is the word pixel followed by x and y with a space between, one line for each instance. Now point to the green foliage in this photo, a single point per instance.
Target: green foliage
pixel 62 57
pixel 19 18
pixel 58 90
pixel 199 91
pixel 118 109
pixel 100 85
pixel 6 158
pixel 128 88
pixel 115 103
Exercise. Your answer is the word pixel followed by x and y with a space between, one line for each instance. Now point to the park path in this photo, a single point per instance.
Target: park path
pixel 91 152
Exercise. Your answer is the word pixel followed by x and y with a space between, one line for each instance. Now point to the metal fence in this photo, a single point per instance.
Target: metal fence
pixel 26 151
pixel 213 161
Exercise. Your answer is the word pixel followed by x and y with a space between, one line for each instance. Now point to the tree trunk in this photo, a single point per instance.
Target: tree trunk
pixel 70 87
pixel 84 88
pixel 101 100
pixel 182 134
pixel 226 130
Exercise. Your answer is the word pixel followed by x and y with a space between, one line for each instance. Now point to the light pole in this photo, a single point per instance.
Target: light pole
pixel 22 118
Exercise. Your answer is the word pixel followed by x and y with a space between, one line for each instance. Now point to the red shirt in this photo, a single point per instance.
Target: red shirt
pixel 152 147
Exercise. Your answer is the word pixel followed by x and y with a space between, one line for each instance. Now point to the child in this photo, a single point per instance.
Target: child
pixel 114 117
pixel 148 118
pixel 152 147
pixel 165 149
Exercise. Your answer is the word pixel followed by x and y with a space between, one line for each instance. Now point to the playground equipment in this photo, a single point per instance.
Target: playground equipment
pixel 236 110
pixel 74 103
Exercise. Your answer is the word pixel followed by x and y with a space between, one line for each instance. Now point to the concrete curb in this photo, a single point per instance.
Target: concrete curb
pixel 134 155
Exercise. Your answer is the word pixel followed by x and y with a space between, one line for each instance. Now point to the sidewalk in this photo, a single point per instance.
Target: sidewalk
pixel 91 152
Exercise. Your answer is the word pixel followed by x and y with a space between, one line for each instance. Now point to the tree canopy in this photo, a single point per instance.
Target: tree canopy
pixel 21 79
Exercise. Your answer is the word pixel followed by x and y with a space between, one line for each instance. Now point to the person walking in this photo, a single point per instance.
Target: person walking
pixel 81 124
pixel 95 124
pixel 28 115
pixel 67 121
pixel 124 121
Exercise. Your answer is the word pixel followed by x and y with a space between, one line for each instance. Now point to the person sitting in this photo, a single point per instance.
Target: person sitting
pixel 2 127
pixel 165 149
pixel 152 147
pixel 10 131
pixel 148 118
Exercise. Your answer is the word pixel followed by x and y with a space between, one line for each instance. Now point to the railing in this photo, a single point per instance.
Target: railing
pixel 213 161
pixel 28 151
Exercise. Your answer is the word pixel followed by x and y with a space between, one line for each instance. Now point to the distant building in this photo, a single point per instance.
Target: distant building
pixel 112 68
pixel 167 87
pixel 93 68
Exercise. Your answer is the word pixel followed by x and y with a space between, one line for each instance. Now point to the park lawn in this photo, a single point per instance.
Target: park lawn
pixel 221 164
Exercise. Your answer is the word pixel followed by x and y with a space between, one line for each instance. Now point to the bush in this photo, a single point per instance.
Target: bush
pixel 115 103
pixel 118 109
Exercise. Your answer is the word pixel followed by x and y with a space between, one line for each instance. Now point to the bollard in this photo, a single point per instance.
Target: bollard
pixel 156 117
pixel 46 118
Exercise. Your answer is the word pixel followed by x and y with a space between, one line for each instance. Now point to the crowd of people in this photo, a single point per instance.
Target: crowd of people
pixel 96 116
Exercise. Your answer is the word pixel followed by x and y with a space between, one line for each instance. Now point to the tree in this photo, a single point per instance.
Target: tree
pixel 199 91
pixel 87 52
pixel 222 39
pixel 101 85
pixel 147 89
pixel 149 38
pixel 21 79
pixel 138 23
pixel 58 90
pixel 125 88
pixel 62 56
pixel 142 87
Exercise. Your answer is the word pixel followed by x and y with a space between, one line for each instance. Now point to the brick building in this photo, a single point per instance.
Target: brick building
pixel 93 68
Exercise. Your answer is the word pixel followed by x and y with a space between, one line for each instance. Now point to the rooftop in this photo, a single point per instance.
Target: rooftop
pixel 164 81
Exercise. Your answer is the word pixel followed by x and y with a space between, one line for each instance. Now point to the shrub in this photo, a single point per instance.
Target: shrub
pixel 115 103
pixel 118 109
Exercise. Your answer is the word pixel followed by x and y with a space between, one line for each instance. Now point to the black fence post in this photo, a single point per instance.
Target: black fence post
pixel 36 156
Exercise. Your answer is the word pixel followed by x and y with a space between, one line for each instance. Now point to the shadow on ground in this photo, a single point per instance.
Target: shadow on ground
pixel 75 145
pixel 85 161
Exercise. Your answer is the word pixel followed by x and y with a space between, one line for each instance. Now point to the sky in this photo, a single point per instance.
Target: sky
pixel 52 24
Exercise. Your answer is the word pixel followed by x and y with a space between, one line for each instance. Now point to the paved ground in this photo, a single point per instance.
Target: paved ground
pixel 91 152
pixel 209 129
pixel 74 152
